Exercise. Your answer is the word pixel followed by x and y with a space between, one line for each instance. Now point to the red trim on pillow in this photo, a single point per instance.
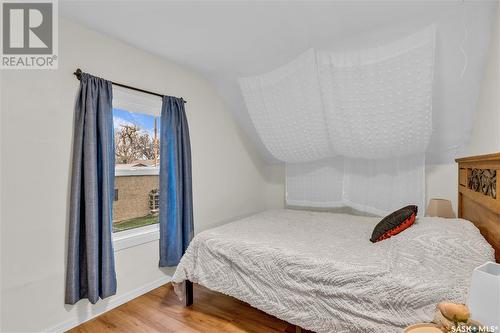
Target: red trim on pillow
pixel 396 230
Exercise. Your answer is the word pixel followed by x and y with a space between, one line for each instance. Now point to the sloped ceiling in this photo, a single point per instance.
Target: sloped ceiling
pixel 226 40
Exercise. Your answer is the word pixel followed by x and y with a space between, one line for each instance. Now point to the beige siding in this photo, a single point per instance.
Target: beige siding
pixel 133 196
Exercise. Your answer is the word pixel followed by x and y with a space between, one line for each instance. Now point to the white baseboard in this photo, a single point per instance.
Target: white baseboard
pixel 98 309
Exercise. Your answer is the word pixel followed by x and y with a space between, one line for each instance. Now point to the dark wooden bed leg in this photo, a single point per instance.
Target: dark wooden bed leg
pixel 298 329
pixel 188 297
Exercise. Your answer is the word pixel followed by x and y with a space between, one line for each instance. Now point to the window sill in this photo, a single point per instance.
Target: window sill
pixel 133 237
pixel 144 171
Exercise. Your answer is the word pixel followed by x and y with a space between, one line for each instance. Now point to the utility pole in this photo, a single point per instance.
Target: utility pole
pixel 155 144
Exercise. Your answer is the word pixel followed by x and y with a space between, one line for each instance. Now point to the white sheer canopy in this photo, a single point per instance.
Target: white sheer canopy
pixel 378 102
pixel 352 128
pixel 285 106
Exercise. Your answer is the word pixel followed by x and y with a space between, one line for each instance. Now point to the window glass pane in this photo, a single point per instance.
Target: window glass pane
pixel 137 161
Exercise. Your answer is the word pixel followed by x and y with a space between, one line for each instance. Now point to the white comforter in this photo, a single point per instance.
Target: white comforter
pixel 320 271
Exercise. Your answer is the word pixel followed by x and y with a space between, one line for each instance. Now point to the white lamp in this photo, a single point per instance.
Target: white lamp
pixel 484 294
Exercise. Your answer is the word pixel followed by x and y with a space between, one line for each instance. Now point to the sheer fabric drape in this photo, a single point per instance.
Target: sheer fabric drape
pixel 353 128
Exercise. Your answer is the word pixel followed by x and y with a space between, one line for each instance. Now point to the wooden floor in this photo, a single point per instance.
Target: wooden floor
pixel 161 311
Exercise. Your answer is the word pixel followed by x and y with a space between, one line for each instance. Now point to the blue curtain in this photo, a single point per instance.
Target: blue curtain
pixel 176 198
pixel 91 268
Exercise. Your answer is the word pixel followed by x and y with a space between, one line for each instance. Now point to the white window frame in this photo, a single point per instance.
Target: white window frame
pixel 136 102
pixel 136 236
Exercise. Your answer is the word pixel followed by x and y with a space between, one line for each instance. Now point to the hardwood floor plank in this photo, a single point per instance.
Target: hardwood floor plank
pixel 150 317
pixel 160 311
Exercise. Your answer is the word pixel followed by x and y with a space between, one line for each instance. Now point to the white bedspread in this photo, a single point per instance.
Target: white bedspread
pixel 320 271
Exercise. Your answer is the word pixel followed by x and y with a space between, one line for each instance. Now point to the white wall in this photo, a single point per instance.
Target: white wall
pixel 486 133
pixel 229 179
pixel 485 139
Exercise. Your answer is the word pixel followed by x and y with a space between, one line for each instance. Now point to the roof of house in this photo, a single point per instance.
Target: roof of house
pixel 139 164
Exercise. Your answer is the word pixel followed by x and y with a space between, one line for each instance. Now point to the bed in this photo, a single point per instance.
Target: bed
pixel 319 271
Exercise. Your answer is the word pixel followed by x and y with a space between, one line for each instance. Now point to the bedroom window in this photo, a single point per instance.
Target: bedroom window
pixel 136 122
pixel 137 161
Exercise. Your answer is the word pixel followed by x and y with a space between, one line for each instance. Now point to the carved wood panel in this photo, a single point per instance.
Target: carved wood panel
pixel 483 181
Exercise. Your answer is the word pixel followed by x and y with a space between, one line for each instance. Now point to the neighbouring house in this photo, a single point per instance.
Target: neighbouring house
pixel 134 183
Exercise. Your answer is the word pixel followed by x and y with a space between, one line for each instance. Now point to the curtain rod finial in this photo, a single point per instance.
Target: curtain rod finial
pixel 78 73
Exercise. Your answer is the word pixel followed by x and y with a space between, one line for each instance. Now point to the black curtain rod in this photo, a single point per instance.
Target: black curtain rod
pixel 78 74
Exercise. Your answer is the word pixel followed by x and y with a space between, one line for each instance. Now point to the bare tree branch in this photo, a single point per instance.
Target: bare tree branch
pixel 132 145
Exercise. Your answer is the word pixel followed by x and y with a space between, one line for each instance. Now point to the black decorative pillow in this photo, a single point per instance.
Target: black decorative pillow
pixel 394 223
